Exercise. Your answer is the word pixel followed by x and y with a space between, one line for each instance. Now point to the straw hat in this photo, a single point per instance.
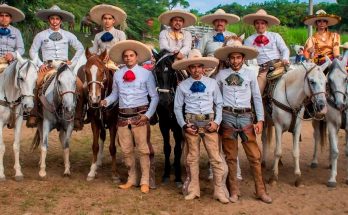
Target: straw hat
pixel 220 14
pixel 116 51
pixel 98 11
pixel 322 15
pixel 189 18
pixel 344 45
pixel 235 46
pixel 55 10
pixel 260 14
pixel 195 57
pixel 16 14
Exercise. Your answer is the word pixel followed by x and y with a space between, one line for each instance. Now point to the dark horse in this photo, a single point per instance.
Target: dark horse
pixel 99 81
pixel 167 80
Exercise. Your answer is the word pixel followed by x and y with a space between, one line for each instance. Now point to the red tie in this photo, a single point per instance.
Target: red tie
pixel 129 76
pixel 261 40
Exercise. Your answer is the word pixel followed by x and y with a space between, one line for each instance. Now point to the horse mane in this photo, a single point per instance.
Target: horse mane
pixel 62 68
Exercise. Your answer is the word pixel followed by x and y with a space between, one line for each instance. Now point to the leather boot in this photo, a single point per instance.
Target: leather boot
pixel 32 121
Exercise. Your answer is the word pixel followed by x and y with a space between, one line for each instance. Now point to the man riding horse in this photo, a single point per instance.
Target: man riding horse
pixel 11 41
pixel 54 44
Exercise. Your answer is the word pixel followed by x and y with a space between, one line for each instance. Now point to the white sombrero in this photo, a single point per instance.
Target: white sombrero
pixel 235 46
pixel 344 45
pixel 98 11
pixel 16 14
pixel 116 51
pixel 195 57
pixel 189 18
pixel 260 15
pixel 322 15
pixel 55 10
pixel 220 14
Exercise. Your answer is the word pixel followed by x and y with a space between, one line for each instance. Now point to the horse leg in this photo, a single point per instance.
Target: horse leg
pixel 333 139
pixel 277 153
pixel 101 147
pixel 112 149
pixel 167 150
pixel 2 152
pixel 64 138
pixel 16 149
pixel 296 153
pixel 95 147
pixel 44 145
pixel 316 141
pixel 178 137
pixel 266 138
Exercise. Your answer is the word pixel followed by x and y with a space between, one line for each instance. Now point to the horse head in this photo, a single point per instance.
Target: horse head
pixel 97 77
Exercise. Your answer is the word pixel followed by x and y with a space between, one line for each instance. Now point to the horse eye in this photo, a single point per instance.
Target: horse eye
pixel 312 82
pixel 21 78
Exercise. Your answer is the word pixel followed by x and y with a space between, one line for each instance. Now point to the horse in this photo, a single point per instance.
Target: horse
pixel 99 85
pixel 167 80
pixel 335 118
pixel 304 81
pixel 58 98
pixel 86 25
pixel 16 98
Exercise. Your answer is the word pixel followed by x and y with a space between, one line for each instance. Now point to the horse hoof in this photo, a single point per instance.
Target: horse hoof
pixel 272 181
pixel 116 179
pixel 298 183
pixel 66 175
pixel 346 181
pixel 165 180
pixel 331 184
pixel 19 178
pixel 314 165
pixel 43 178
pixel 2 179
pixel 89 178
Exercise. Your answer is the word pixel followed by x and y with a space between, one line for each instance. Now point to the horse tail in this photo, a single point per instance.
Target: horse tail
pixel 103 134
pixel 36 141
pixel 323 134
pixel 269 133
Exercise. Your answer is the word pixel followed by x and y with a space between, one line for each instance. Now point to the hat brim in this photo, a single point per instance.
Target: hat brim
pixel 223 52
pixel 116 51
pixel 250 19
pixel 189 18
pixel 230 18
pixel 16 14
pixel 344 46
pixel 64 15
pixel 331 19
pixel 207 62
pixel 98 11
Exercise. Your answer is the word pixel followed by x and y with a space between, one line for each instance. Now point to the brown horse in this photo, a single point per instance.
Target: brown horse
pixel 99 81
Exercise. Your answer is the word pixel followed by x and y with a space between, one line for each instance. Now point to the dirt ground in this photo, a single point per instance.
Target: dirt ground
pixel 58 195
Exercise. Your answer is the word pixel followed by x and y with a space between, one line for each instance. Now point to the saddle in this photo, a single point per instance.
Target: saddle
pixel 275 70
pixel 3 64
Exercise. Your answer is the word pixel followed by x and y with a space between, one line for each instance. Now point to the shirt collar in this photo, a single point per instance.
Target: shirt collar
pixel 171 30
pixel 240 71
pixel 111 30
pixel 51 31
pixel 265 33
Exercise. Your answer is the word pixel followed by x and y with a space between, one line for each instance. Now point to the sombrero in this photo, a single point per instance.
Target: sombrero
pixel 55 10
pixel 195 57
pixel 235 46
pixel 98 11
pixel 344 45
pixel 189 18
pixel 260 14
pixel 116 51
pixel 16 14
pixel 322 15
pixel 220 14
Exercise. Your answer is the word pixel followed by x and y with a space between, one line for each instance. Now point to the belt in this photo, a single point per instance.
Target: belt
pixel 237 110
pixel 199 117
pixel 133 111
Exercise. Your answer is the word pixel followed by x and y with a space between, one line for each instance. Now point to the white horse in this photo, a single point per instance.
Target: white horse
pixel 287 99
pixel 59 101
pixel 336 117
pixel 17 85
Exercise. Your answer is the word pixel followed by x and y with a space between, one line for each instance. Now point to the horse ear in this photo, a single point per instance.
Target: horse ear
pixel 19 58
pixel 242 37
pixel 103 55
pixel 88 53
pixel 345 59
pixel 155 54
pixel 327 63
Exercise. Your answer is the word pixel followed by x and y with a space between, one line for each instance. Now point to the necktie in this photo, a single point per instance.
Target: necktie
pixel 129 76
pixel 5 31
pixel 107 37
pixel 176 35
pixel 55 36
pixel 234 80
pixel 219 37
pixel 261 40
pixel 197 87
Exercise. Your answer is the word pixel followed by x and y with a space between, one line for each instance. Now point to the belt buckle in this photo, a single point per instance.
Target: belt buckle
pixel 200 117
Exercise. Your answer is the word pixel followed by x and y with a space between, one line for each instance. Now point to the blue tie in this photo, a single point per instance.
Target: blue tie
pixel 107 37
pixel 5 31
pixel 219 37
pixel 197 87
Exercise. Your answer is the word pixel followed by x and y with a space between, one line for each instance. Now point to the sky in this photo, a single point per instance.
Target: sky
pixel 205 5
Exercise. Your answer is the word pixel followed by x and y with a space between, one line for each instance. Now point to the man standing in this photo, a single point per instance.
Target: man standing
pixel 273 52
pixel 201 96
pixel 132 86
pixel 238 85
pixel 175 39
pixel 54 44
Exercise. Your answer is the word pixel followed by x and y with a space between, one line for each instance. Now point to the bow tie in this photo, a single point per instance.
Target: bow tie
pixel 55 36
pixel 129 76
pixel 197 87
pixel 261 40
pixel 219 37
pixel 107 37
pixel 176 35
pixel 5 31
pixel 234 80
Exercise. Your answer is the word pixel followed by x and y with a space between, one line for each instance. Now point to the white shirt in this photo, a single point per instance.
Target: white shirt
pixel 99 46
pixel 198 103
pixel 12 43
pixel 184 45
pixel 207 46
pixel 275 49
pixel 134 94
pixel 240 96
pixel 55 50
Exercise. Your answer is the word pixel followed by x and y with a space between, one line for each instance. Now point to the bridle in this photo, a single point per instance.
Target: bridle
pixel 333 92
